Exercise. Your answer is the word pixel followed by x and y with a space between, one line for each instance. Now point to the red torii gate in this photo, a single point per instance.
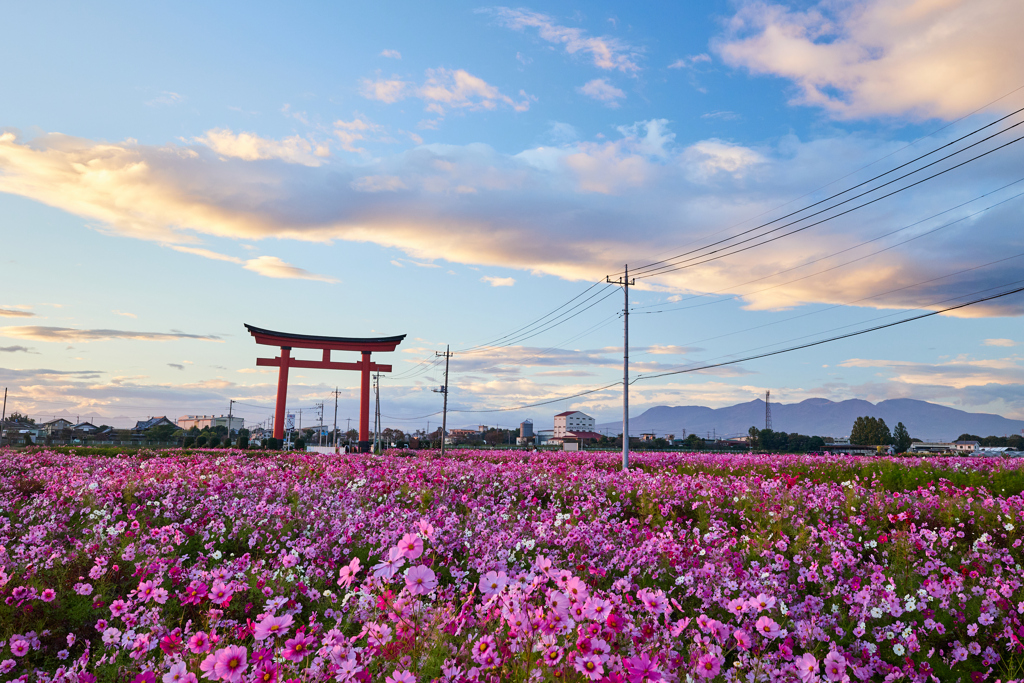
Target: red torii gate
pixel 287 342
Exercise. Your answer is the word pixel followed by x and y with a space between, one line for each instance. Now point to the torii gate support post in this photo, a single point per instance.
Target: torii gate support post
pixel 364 404
pixel 282 392
pixel 287 342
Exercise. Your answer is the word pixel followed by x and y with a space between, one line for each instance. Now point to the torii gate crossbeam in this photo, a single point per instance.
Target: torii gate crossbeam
pixel 286 342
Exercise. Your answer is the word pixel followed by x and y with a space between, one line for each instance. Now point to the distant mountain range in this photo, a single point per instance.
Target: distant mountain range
pixel 817 417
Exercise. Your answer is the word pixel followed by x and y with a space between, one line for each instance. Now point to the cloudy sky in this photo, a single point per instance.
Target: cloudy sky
pixel 457 171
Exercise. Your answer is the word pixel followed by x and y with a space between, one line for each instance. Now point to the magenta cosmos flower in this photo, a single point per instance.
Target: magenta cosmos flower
pixel 420 580
pixel 19 647
pixel 835 666
pixel 591 667
pixel 272 626
pixel 229 664
pixel 709 665
pixel 296 649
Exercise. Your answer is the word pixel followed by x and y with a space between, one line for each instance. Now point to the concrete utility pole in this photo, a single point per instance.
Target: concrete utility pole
pixel 444 390
pixel 335 432
pixel 624 282
pixel 231 404
pixel 3 417
pixel 376 412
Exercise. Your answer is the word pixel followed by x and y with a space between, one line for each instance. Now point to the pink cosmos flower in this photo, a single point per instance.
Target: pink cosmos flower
pixel 807 667
pixel 762 602
pixel 230 664
pixel 596 609
pixel 289 561
pixel 401 677
pixel 145 590
pixel 19 647
pixel 642 669
pixel 483 647
pixel 145 677
pixel 835 666
pixel 576 589
pixel 709 665
pixel 267 673
pixel 272 626
pixel 219 593
pixel 767 627
pixel 553 655
pixel 7 665
pixel 118 607
pixel 48 595
pixel 347 574
pixel 199 643
pixel 177 673
pixel 296 649
pixel 420 580
pixel 743 641
pixel 737 606
pixel 592 667
pixel 386 569
pixel 493 583
pixel 411 546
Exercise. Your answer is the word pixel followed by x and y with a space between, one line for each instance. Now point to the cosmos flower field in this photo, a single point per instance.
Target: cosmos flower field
pixel 485 566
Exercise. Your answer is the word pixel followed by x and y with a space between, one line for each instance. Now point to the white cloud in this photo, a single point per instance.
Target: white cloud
pixel 959 373
pixel 555 210
pixel 271 266
pixel 356 130
pixel 606 52
pixel 391 54
pixel 690 61
pixel 126 315
pixel 451 88
pixel 166 98
pixel 69 334
pixel 924 58
pixel 251 147
pixel 14 313
pixel 378 183
pixel 1000 342
pixel 602 91
pixel 494 281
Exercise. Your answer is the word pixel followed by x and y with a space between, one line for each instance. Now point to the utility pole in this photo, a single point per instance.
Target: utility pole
pixel 231 404
pixel 376 412
pixel 3 417
pixel 624 282
pixel 767 410
pixel 444 390
pixel 335 432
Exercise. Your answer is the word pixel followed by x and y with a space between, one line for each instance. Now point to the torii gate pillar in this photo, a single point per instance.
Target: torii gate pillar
pixel 286 342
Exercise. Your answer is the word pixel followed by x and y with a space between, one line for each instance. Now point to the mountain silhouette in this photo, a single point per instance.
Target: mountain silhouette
pixel 817 417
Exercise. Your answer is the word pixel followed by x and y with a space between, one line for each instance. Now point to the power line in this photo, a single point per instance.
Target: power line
pixel 674 268
pixel 651 266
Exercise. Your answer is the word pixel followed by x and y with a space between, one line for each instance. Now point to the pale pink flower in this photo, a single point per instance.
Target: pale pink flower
pixel 272 626
pixel 762 602
pixel 48 595
pixel 230 663
pixel 401 677
pixel 347 574
pixel 199 643
pixel 835 666
pixel 743 641
pixel 806 667
pixel 411 546
pixel 219 593
pixel 493 583
pixel 177 673
pixel 420 580
pixel 298 648
pixel 19 647
pixel 767 627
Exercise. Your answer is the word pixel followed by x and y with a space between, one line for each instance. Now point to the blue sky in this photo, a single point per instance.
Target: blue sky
pixel 455 171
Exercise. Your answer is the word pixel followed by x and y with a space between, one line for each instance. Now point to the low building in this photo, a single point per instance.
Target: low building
pixel 966 446
pixel 146 425
pixel 187 422
pixel 937 447
pixel 545 436
pixel 56 426
pixel 648 436
pixel 572 421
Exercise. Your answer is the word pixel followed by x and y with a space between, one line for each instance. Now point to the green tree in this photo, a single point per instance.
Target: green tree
pixel 18 417
pixel 162 432
pixel 754 434
pixel 870 431
pixel 968 437
pixel 901 438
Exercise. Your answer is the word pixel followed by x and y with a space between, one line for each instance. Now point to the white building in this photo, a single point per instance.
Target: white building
pixel 187 422
pixel 966 446
pixel 572 421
